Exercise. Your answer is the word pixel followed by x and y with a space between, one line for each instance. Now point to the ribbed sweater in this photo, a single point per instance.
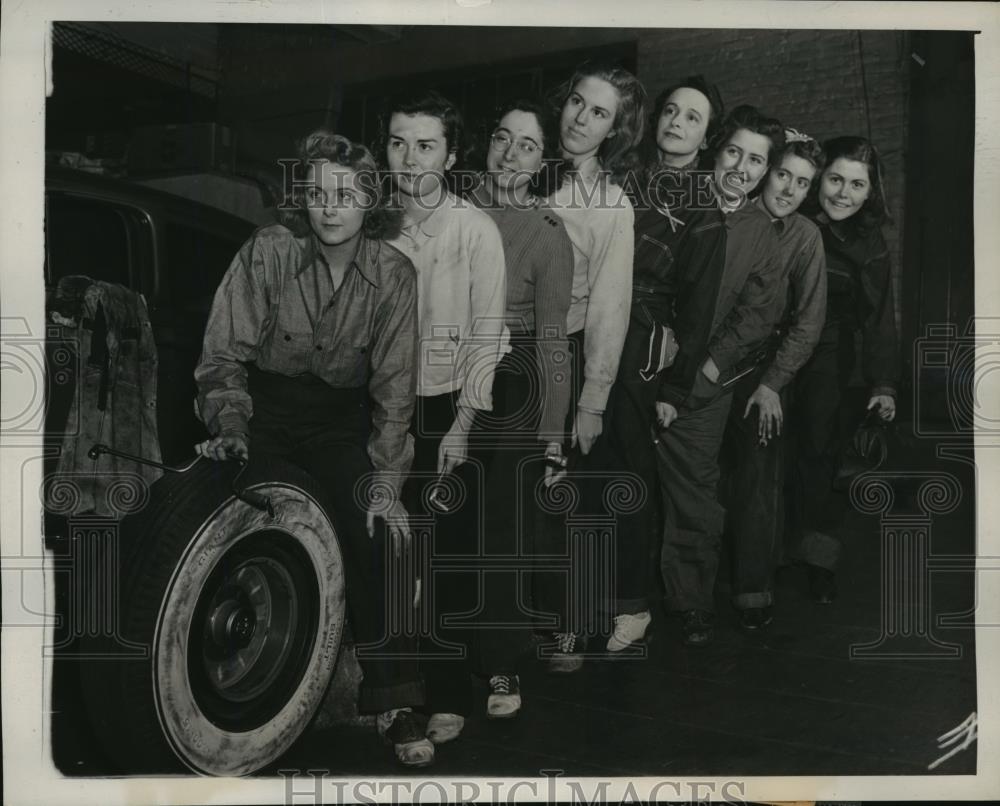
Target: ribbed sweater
pixel 539 259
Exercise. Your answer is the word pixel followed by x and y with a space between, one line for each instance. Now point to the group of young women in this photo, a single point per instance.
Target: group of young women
pixel 615 298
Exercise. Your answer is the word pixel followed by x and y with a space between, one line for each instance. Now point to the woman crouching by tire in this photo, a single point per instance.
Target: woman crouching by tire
pixel 310 356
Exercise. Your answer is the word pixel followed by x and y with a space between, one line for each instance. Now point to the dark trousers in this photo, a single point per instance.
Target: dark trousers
pixel 565 514
pixel 479 553
pixel 451 549
pixel 693 519
pixel 817 396
pixel 506 443
pixel 325 432
pixel 752 490
pixel 626 448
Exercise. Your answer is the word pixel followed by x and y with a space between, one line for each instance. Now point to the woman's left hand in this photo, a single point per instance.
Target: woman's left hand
pixel 553 473
pixel 886 406
pixel 397 522
pixel 454 448
pixel 586 430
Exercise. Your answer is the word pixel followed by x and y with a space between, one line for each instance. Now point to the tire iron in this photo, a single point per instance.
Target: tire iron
pixel 254 499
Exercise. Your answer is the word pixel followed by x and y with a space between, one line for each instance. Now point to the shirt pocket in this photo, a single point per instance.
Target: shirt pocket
pixel 652 256
pixel 287 352
pixel 345 364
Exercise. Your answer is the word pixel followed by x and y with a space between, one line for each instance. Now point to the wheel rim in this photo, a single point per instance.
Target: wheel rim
pixel 253 630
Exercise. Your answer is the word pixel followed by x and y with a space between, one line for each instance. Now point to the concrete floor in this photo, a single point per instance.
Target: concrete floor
pixel 787 701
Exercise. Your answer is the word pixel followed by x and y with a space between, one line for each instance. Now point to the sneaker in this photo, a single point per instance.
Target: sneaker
pixel 505 696
pixel 697 627
pixel 755 618
pixel 568 655
pixel 399 727
pixel 629 629
pixel 443 728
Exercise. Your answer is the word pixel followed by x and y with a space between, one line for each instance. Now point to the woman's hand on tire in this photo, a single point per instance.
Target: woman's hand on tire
pixel 224 446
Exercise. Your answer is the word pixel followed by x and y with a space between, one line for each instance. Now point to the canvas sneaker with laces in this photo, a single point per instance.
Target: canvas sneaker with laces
pixel 568 655
pixel 399 728
pixel 629 629
pixel 505 696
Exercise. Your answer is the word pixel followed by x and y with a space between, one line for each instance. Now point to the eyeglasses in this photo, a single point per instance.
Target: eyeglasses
pixel 501 142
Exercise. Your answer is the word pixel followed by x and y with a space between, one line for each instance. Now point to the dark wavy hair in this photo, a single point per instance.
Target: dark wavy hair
pixel 549 177
pixel 432 104
pixel 649 152
pixel 875 211
pixel 753 120
pixel 615 153
pixel 382 221
pixel 809 150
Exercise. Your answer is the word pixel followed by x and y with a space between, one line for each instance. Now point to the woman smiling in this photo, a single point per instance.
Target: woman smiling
pixel 851 209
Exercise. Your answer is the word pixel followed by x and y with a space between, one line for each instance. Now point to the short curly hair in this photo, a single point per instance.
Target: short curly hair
pixel 432 104
pixel 382 220
pixel 753 120
pixel 804 147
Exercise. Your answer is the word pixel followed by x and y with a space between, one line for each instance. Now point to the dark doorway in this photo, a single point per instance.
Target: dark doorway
pixel 938 282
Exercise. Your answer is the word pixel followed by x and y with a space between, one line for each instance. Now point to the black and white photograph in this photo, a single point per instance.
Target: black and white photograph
pixel 492 401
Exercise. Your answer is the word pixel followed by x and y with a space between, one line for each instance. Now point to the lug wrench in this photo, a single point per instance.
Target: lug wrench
pixel 261 502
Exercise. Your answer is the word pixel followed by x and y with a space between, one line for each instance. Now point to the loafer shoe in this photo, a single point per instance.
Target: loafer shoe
pixel 696 625
pixel 755 618
pixel 399 727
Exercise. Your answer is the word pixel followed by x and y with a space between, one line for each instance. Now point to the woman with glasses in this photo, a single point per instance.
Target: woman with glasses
pixel 531 387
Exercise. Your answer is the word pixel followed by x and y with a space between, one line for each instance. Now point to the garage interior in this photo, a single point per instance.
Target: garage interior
pixel 206 111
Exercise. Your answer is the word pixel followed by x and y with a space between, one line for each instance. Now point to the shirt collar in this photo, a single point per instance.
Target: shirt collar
pixel 836 228
pixel 434 224
pixel 780 224
pixel 365 256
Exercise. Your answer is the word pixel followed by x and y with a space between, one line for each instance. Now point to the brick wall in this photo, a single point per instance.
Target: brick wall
pixel 811 80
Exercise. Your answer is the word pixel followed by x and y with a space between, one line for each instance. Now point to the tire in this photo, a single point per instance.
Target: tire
pixel 242 615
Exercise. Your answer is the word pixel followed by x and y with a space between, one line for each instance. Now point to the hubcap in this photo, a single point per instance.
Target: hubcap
pixel 252 630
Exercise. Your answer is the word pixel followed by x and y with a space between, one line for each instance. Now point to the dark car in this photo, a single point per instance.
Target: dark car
pixel 171 250
pixel 199 631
